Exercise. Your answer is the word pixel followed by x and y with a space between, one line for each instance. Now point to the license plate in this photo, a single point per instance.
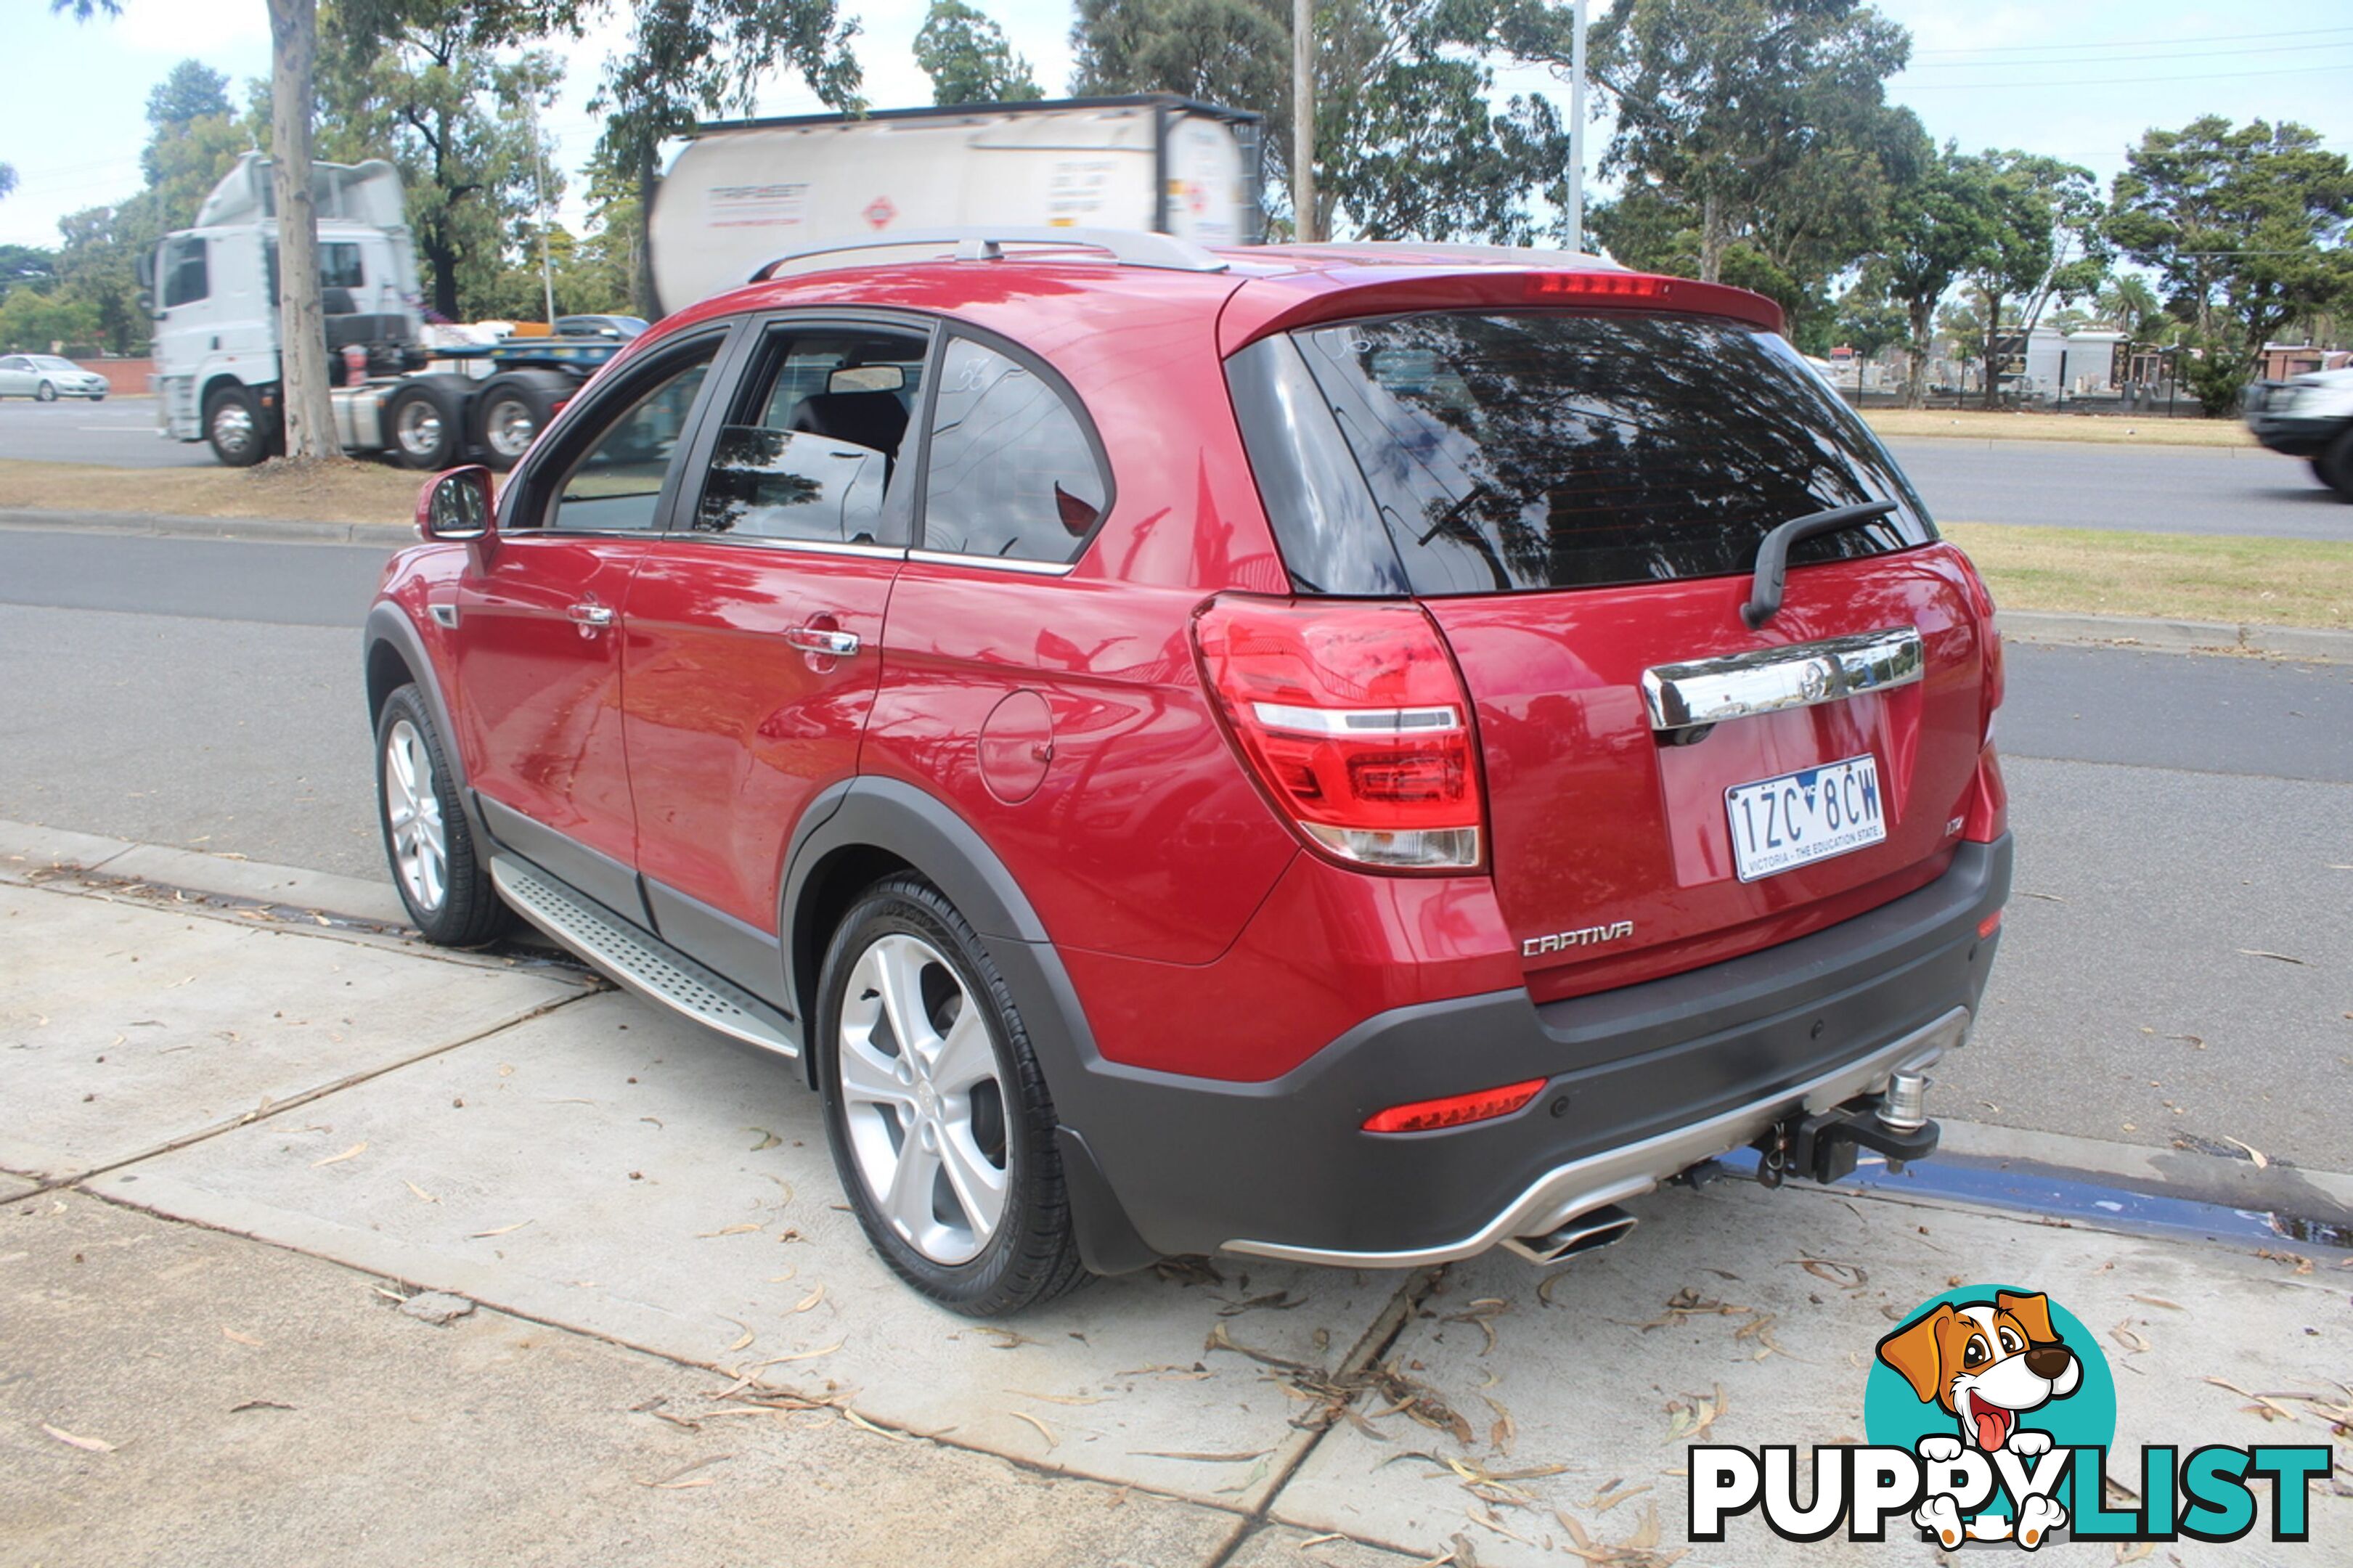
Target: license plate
pixel 1804 816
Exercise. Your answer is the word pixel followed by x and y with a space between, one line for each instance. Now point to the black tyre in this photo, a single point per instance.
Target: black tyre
pixel 441 875
pixel 233 424
pixel 98 397
pixel 941 1124
pixel 509 415
pixel 45 393
pixel 2334 464
pixel 421 428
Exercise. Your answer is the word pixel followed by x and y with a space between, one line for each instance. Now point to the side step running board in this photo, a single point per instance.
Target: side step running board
pixel 642 961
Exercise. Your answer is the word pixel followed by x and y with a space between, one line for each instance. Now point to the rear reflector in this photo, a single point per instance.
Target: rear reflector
pixel 1354 722
pixel 1428 1115
pixel 1988 925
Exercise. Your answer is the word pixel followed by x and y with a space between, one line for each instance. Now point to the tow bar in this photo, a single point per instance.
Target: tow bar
pixel 1822 1146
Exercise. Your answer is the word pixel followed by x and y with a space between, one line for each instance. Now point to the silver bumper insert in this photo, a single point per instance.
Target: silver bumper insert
pixel 1616 1174
pixel 1711 691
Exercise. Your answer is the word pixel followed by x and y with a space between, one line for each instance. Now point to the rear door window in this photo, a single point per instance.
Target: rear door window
pixel 1013 471
pixel 1470 453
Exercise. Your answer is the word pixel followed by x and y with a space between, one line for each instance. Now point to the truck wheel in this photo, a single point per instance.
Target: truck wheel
pixel 2334 464
pixel 511 412
pixel 421 423
pixel 940 1122
pixel 233 426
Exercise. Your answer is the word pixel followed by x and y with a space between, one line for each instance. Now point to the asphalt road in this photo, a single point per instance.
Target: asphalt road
pixel 119 432
pixel 2177 959
pixel 2154 489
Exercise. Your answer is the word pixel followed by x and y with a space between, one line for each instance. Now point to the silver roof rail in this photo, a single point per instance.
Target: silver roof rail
pixel 1129 247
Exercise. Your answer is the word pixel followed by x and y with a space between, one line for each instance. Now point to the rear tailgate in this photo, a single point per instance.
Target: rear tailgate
pixel 1612 844
pixel 1578 497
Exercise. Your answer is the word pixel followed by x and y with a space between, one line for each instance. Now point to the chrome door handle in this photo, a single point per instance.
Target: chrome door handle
pixel 592 615
pixel 816 639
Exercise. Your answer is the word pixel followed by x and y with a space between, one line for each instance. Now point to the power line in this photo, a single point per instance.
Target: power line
pixel 2303 48
pixel 2133 43
pixel 2111 81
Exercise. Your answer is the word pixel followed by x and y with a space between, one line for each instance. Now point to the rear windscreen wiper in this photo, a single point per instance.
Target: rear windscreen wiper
pixel 1772 554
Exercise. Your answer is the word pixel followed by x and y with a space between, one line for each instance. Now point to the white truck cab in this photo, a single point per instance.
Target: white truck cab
pixel 214 296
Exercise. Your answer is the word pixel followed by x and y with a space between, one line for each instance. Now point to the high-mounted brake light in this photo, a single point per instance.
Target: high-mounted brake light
pixel 1428 1115
pixel 1601 286
pixel 1354 722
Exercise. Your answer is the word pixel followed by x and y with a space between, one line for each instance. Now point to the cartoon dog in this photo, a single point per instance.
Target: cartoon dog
pixel 1987 1363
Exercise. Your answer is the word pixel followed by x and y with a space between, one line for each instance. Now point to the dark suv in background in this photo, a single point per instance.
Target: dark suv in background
pixel 1352 754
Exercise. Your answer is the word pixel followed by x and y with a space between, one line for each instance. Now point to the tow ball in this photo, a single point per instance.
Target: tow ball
pixel 1822 1146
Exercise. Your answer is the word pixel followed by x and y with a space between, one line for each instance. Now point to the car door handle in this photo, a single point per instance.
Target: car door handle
pixel 817 639
pixel 592 615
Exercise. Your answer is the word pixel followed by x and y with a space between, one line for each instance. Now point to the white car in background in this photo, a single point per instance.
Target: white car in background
pixel 47 378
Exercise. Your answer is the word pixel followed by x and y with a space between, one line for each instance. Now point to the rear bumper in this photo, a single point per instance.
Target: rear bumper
pixel 1641 1083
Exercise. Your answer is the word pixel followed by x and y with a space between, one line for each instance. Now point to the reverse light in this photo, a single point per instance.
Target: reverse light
pixel 1455 1110
pixel 1354 722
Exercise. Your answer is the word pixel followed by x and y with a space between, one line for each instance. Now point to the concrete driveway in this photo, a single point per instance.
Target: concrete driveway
pixel 641 1208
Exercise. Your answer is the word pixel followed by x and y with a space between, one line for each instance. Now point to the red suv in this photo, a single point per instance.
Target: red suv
pixel 1352 754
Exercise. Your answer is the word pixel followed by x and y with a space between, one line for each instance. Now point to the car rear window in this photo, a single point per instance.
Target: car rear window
pixel 1478 453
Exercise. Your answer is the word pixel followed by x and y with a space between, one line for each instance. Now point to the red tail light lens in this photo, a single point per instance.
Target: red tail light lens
pixel 1428 1115
pixel 1355 721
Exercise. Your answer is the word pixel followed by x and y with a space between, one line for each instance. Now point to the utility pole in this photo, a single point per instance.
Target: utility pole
pixel 1576 132
pixel 1303 119
pixel 539 159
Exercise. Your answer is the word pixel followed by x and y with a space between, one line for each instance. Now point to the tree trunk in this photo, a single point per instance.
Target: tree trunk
pixel 1710 243
pixel 444 250
pixel 442 256
pixel 1992 303
pixel 1915 376
pixel 302 322
pixel 641 259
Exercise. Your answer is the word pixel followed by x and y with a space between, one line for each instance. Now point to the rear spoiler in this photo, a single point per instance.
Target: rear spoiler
pixel 1396 278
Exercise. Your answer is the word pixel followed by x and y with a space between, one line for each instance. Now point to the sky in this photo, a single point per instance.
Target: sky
pixel 2079 80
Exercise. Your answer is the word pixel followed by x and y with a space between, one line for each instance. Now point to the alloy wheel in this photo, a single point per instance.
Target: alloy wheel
pixel 232 426
pixel 420 842
pixel 417 428
pixel 509 427
pixel 921 1100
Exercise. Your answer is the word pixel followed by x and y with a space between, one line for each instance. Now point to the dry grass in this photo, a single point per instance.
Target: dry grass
pixel 1976 424
pixel 333 492
pixel 2176 576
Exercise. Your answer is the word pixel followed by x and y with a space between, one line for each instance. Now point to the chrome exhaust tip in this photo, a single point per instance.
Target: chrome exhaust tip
pixel 1587 1232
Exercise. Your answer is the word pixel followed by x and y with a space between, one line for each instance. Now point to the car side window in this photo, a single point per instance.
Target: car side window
pixel 614 485
pixel 813 444
pixel 185 279
pixel 1010 472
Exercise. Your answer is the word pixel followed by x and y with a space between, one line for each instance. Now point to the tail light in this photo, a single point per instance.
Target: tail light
pixel 1355 721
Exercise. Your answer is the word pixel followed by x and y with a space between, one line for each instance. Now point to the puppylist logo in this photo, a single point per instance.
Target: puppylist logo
pixel 1990 1413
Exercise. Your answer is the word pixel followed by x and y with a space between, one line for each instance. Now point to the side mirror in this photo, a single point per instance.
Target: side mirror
pixel 458 506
